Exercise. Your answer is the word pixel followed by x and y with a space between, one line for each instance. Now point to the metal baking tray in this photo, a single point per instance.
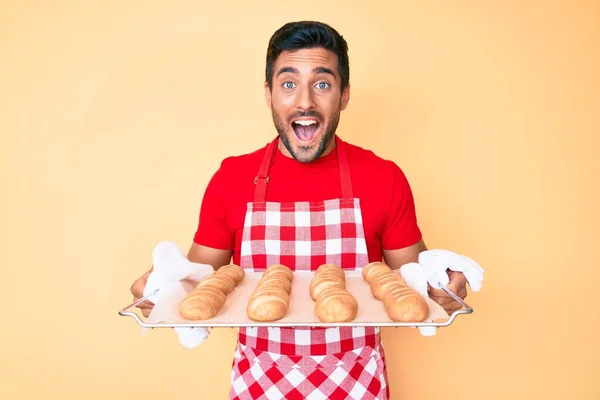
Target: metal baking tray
pixel 371 311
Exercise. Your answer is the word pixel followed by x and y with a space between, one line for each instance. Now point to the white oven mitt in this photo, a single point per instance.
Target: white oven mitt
pixel 170 275
pixel 431 269
pixel 436 262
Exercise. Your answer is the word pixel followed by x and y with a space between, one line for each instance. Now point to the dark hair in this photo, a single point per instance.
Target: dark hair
pixel 307 35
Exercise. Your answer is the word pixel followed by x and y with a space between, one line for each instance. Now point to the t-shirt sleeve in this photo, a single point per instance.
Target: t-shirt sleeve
pixel 213 230
pixel 401 229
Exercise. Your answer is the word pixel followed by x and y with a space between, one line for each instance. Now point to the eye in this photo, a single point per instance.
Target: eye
pixel 288 85
pixel 322 85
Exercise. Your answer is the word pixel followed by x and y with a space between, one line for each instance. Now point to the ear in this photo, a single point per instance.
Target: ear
pixel 345 97
pixel 268 94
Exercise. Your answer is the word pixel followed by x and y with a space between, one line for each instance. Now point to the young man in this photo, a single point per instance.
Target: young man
pixel 305 199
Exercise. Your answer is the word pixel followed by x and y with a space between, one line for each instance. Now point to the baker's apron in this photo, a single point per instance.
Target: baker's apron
pixel 306 363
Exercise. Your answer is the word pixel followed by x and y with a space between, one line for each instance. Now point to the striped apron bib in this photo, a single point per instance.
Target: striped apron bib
pixel 306 363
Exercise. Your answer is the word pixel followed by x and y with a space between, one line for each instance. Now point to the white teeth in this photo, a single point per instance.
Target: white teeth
pixel 305 123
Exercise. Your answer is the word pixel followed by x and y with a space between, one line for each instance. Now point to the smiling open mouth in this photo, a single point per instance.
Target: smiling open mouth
pixel 305 129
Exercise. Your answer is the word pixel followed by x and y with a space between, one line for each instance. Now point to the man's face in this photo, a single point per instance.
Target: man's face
pixel 306 102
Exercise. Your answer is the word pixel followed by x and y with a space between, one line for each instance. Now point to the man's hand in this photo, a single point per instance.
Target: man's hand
pixel 197 254
pixel 457 285
pixel 137 289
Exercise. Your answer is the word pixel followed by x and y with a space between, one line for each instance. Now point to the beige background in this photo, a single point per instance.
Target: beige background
pixel 114 115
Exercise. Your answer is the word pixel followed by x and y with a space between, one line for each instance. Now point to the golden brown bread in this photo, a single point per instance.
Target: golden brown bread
pixel 401 302
pixel 268 304
pixel 233 271
pixel 325 280
pixel 333 303
pixel 270 300
pixel 221 281
pixel 384 282
pixel 277 280
pixel 331 268
pixel 210 294
pixel 202 303
pixel 336 305
pixel 405 305
pixel 276 274
pixel 267 308
pixel 270 289
pixel 281 269
pixel 373 269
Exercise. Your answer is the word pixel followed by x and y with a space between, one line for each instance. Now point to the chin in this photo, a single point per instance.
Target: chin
pixel 305 138
pixel 305 154
pixel 302 151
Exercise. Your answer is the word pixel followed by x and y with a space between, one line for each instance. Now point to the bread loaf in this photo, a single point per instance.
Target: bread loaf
pixel 270 300
pixel 202 303
pixel 221 281
pixel 278 280
pixel 384 282
pixel 373 269
pixel 324 280
pixel 331 268
pixel 233 271
pixel 401 302
pixel 404 304
pixel 333 303
pixel 280 269
pixel 336 305
pixel 210 294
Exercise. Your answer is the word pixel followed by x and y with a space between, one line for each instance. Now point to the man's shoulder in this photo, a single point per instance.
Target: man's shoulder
pixel 373 168
pixel 242 162
pixel 367 158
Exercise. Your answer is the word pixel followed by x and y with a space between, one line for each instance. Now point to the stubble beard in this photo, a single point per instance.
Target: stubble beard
pixel 305 154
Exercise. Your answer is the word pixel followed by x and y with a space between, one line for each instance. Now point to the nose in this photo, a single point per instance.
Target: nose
pixel 305 100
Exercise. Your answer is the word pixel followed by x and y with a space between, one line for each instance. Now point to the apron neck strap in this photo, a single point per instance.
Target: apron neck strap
pixel 262 179
pixel 346 182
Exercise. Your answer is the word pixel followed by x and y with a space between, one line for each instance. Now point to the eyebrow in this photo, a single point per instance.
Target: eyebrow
pixel 318 70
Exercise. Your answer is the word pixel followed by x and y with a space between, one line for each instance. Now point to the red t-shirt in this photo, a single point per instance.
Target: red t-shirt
pixel 386 199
